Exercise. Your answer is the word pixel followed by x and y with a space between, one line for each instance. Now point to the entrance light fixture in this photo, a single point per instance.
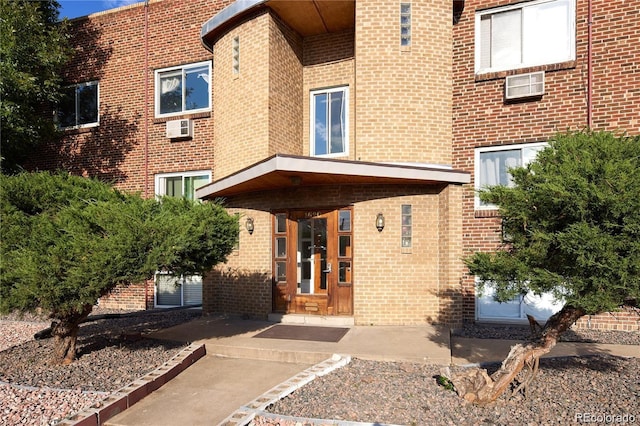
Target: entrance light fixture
pixel 380 222
pixel 249 225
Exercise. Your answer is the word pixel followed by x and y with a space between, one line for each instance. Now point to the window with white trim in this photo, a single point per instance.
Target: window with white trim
pixel 330 122
pixel 183 89
pixel 79 106
pixel 173 290
pixel 492 165
pixel 527 34
pixel 181 184
pixel 540 306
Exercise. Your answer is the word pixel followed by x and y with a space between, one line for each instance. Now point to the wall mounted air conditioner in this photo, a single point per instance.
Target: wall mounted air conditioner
pixel 179 129
pixel 524 85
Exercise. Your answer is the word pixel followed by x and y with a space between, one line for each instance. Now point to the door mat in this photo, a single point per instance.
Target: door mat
pixel 303 332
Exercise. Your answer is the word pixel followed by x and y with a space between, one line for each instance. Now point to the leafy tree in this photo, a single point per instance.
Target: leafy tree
pixel 33 49
pixel 572 222
pixel 67 241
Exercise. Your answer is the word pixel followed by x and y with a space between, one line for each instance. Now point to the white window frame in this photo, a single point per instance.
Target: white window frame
pixel 571 31
pixel 312 117
pixel 477 166
pixel 159 187
pixel 76 104
pixel 181 282
pixel 522 305
pixel 181 69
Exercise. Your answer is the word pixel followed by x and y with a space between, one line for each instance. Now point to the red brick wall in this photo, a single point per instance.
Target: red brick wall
pixel 627 319
pixel 131 298
pixel 482 118
pixel 110 48
pixel 129 146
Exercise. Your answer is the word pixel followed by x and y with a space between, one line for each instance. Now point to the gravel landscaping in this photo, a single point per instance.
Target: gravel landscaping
pixel 517 332
pixel 564 392
pixel 573 390
pixel 112 354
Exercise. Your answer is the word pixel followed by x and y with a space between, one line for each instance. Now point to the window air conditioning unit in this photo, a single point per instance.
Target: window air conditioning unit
pixel 524 85
pixel 179 129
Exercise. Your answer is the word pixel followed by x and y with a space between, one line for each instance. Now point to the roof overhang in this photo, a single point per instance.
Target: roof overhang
pixel 306 17
pixel 287 171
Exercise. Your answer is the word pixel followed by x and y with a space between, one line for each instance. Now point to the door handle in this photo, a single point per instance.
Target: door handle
pixel 328 268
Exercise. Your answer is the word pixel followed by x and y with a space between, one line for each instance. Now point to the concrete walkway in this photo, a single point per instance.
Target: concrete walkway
pixel 239 368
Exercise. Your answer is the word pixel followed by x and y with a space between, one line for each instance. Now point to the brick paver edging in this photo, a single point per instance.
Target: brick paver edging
pixel 123 398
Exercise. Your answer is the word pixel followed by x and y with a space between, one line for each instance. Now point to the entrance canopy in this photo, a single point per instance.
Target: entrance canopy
pixel 287 171
pixel 307 17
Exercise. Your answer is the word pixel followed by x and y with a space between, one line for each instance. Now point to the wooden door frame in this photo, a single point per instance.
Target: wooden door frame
pixel 285 293
pixel 301 303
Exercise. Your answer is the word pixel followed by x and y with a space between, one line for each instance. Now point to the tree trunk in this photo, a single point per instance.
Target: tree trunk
pixel 478 387
pixel 65 333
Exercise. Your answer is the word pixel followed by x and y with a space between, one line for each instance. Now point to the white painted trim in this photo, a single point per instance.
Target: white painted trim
pixel 234 9
pixel 156 93
pixel 159 176
pixel 476 170
pixel 480 14
pixel 312 116
pixel 75 104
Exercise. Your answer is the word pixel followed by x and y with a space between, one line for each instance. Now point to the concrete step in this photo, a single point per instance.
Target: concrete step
pixel 268 354
pixel 318 320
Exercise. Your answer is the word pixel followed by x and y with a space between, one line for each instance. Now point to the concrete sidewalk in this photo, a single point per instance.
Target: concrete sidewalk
pixel 239 368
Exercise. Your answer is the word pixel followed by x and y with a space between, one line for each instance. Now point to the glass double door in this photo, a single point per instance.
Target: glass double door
pixel 312 262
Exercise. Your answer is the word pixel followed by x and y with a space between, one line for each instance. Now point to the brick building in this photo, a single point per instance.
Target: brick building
pixel 587 52
pixel 349 136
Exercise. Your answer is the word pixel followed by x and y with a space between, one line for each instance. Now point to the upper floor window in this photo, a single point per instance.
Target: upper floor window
pixel 79 106
pixel 405 24
pixel 329 122
pixel 526 34
pixel 492 165
pixel 181 184
pixel 183 89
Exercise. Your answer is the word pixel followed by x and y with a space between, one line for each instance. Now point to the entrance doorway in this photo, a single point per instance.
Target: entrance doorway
pixel 312 254
pixel 312 262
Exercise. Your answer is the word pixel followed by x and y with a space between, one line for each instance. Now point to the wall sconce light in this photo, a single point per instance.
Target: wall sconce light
pixel 249 225
pixel 380 222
